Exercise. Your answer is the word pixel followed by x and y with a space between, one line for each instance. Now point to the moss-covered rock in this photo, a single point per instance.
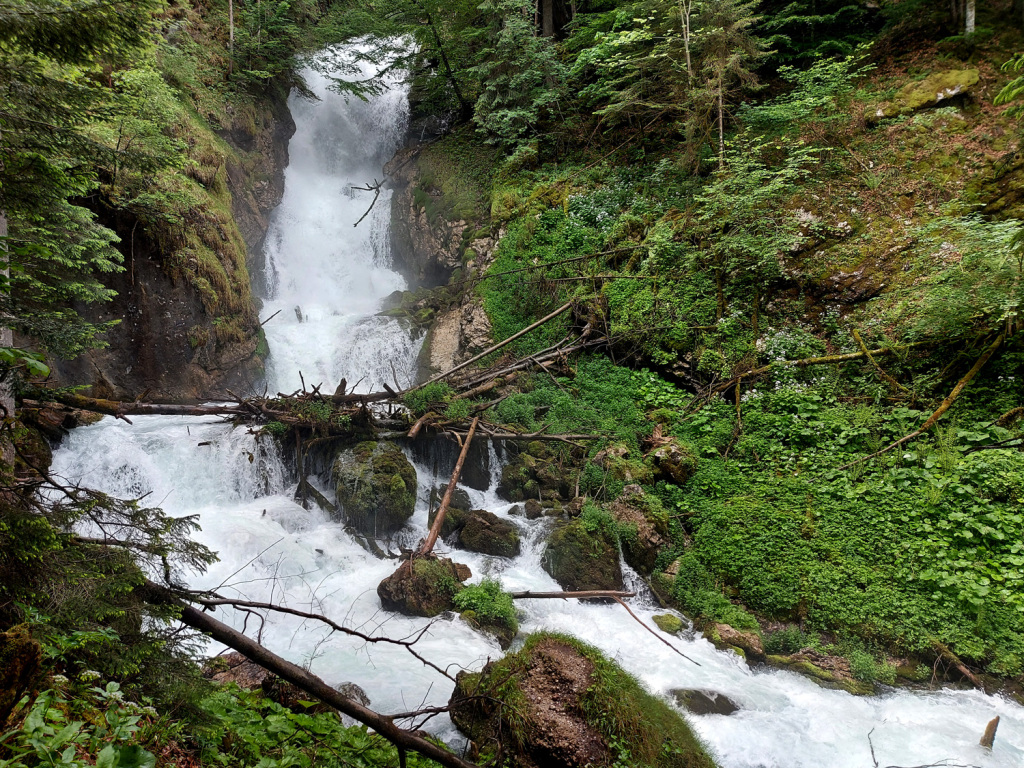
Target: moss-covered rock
pixel 580 559
pixel 535 473
pixel 21 659
pixel 746 644
pixel 934 89
pixel 620 465
pixel 376 487
pixel 673 461
pixel 827 671
pixel 668 622
pixel 424 587
pixel 480 531
pixel 558 702
pixel 644 525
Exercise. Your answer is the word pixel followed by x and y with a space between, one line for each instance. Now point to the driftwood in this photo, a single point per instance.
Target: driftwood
pixel 943 407
pixel 305 681
pixel 121 409
pixel 989 737
pixel 435 529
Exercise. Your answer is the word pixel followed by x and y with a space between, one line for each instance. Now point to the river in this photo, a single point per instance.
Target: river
pixel 327 278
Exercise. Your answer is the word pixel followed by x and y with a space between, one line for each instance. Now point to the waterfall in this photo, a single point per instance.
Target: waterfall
pixel 272 549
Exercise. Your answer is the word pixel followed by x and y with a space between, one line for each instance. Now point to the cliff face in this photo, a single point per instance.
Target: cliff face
pixel 188 321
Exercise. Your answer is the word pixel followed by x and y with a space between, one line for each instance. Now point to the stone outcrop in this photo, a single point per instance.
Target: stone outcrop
pixel 189 326
pixel 579 559
pixel 534 474
pixel 560 703
pixel 376 487
pixel 424 588
pixel 643 514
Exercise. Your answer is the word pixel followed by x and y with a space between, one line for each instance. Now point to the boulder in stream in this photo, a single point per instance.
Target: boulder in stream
pixel 479 531
pixel 581 559
pixel 376 487
pixel 559 702
pixel 703 702
pixel 424 587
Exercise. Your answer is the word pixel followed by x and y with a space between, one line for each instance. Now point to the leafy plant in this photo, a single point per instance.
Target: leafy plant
pixel 489 602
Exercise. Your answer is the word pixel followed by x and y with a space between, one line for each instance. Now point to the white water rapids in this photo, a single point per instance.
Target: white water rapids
pixel 272 549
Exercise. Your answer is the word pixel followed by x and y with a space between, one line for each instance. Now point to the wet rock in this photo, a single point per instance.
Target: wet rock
pixel 746 644
pixel 488 534
pixel 669 622
pixel 673 462
pixel 827 671
pixel 480 531
pixel 424 588
pixel 930 92
pixel 357 694
pixel 645 515
pixel 534 509
pixel 376 487
pixel 703 702
pixel 459 500
pixel 235 668
pixel 579 559
pixel 558 715
pixel 516 510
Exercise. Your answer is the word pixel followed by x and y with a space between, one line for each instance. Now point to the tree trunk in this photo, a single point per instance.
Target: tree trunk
pixel 6 383
pixel 231 35
pixel 547 23
pixel 721 124
pixel 684 19
pixel 969 13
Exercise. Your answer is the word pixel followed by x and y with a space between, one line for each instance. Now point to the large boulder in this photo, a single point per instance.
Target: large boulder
pixel 580 559
pixel 560 703
pixel 703 702
pixel 479 531
pixel 930 92
pixel 376 487
pixel 424 587
pixel 637 512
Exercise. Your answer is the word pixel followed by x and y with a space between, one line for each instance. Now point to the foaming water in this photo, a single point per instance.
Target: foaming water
pixel 271 549
pixel 326 276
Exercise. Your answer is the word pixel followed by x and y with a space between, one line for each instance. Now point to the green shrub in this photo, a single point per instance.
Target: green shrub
pixel 490 604
pixel 785 641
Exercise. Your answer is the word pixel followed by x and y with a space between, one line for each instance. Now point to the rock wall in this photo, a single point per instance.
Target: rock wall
pixel 188 325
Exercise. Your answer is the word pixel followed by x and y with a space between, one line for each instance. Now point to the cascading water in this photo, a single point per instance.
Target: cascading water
pixel 272 549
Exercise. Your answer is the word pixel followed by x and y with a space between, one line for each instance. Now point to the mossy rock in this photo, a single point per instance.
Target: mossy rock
pixel 580 560
pixel 644 523
pixel 933 90
pixel 480 531
pixel 424 588
pixel 21 659
pixel 813 665
pixel 668 622
pixel 559 702
pixel 376 487
pixel 534 474
pixel 703 702
pixel 503 633
pixel 673 461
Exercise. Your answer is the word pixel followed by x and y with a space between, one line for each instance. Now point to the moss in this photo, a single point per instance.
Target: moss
pixel 376 487
pixel 582 559
pixel 501 708
pixel 669 623
pixel 21 659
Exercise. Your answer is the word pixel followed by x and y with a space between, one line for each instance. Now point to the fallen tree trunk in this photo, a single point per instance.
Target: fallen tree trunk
pixel 305 681
pixel 121 409
pixel 943 406
pixel 435 529
pixel 566 595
